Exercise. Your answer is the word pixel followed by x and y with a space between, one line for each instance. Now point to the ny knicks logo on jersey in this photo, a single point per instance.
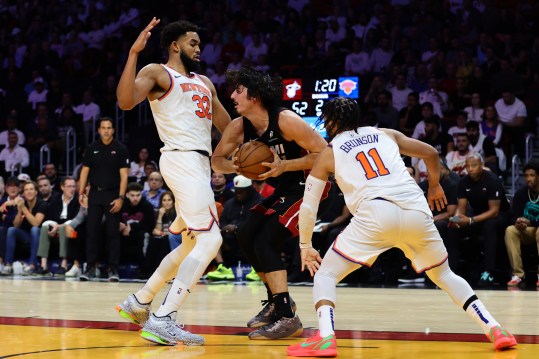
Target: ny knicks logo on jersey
pixel 187 87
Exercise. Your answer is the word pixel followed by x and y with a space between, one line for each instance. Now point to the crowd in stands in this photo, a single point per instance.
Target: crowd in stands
pixel 460 75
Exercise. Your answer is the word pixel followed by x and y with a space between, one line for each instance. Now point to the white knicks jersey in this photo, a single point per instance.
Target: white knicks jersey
pixel 368 165
pixel 183 113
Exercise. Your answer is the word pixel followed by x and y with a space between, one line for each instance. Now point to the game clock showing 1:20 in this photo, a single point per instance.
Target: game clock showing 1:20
pixel 307 96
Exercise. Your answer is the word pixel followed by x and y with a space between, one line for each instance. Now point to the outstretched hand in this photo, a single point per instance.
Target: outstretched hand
pixel 310 259
pixel 142 39
pixel 436 197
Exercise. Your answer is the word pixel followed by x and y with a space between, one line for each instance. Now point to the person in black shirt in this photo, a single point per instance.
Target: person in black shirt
pixel 524 215
pixel 483 192
pixel 441 141
pixel 274 220
pixel 137 219
pixel 30 214
pixel 221 192
pixel 410 115
pixel 106 167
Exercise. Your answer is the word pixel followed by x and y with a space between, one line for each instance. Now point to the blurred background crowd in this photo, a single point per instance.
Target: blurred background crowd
pixel 462 75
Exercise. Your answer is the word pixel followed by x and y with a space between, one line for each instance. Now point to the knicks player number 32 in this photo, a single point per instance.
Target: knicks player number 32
pixel 370 172
pixel 204 105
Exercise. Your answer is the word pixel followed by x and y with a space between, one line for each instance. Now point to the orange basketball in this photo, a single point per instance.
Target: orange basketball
pixel 250 156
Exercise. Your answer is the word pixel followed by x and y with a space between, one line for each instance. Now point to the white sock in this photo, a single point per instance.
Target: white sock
pixel 325 320
pixel 191 269
pixel 477 311
pixel 165 272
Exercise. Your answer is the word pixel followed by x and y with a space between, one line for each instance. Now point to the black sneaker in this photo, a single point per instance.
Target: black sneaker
pixel 486 280
pixel 42 271
pixel 113 276
pixel 92 273
pixel 60 272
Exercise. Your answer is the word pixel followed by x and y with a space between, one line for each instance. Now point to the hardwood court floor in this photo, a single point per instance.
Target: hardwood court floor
pixel 71 319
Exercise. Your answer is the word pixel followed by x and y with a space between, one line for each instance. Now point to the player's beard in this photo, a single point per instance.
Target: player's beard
pixel 189 64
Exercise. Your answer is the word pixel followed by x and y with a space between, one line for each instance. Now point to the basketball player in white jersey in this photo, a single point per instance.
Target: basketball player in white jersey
pixel 389 210
pixel 183 104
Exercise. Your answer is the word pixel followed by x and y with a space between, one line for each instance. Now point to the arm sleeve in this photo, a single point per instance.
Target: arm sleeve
pixel 308 209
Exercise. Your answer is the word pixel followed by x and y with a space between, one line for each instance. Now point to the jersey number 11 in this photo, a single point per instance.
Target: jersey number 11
pixel 370 172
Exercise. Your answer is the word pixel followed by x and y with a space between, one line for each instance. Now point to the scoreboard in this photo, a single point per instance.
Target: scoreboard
pixel 306 96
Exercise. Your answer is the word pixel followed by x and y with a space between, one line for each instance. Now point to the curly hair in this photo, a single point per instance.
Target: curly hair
pixel 259 85
pixel 340 114
pixel 174 30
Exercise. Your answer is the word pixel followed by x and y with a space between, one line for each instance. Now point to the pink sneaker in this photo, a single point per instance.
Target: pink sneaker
pixel 315 346
pixel 501 338
pixel 515 281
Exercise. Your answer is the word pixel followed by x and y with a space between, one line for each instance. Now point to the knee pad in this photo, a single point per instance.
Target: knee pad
pixel 325 287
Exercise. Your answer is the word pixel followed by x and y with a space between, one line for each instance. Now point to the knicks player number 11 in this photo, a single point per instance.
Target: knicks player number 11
pixel 370 172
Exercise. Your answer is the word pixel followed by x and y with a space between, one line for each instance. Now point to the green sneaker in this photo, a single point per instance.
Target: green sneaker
pixel 253 275
pixel 221 273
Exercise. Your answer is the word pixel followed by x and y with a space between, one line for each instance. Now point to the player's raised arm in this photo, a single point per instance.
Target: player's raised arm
pixel 132 89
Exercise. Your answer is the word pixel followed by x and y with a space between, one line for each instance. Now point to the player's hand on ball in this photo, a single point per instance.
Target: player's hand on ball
pixel 235 160
pixel 310 259
pixel 276 167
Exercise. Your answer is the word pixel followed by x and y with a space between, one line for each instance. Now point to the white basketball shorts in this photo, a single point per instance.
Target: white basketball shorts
pixel 379 225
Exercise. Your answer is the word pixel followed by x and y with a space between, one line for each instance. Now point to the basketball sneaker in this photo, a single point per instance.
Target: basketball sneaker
pixel 267 314
pixel 92 273
pixel 281 328
pixel 133 311
pixel 315 346
pixel 501 338
pixel 252 275
pixel 73 272
pixel 221 273
pixel 165 330
pixel 515 281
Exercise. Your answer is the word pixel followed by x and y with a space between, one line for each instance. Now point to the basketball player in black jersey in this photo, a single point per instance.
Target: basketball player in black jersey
pixel 275 219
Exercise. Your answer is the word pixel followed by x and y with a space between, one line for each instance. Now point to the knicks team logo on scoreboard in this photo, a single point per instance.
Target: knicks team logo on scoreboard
pixel 292 89
pixel 349 87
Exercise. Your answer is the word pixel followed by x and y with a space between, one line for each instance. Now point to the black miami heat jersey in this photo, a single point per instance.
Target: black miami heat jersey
pixel 291 182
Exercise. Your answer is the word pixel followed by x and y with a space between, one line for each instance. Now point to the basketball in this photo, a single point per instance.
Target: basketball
pixel 250 156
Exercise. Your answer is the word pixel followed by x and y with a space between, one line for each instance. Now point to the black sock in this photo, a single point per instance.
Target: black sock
pixel 270 296
pixel 282 305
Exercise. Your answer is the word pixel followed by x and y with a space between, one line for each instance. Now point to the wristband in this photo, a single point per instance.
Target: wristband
pixel 305 245
pixel 122 197
pixel 471 221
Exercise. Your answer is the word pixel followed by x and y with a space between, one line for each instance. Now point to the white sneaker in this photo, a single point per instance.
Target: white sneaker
pixel 73 272
pixel 28 270
pixel 7 270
